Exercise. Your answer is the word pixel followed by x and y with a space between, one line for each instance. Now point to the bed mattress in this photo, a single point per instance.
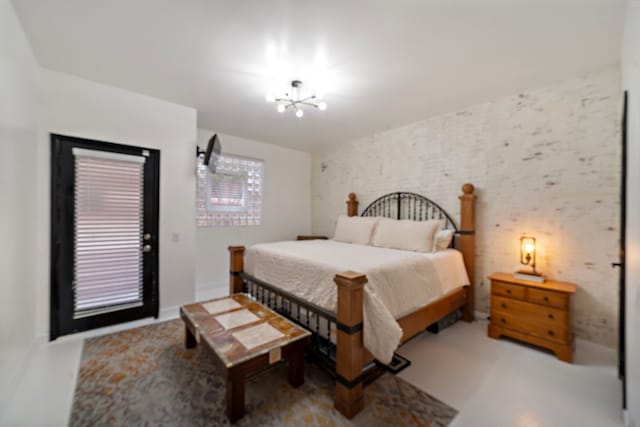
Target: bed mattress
pixel 399 282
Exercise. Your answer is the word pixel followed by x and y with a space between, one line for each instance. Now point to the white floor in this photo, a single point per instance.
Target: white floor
pixel 502 383
pixel 492 383
pixel 44 395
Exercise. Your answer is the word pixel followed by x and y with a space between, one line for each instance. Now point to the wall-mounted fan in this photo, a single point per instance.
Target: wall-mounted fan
pixel 212 154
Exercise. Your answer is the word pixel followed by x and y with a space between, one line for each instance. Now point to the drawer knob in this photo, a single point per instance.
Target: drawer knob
pixel 503 305
pixel 546 299
pixel 551 333
pixel 503 320
pixel 551 316
pixel 509 291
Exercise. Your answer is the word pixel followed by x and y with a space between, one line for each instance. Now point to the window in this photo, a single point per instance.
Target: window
pixel 231 196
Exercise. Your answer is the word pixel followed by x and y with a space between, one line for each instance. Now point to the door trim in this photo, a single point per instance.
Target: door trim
pixel 622 351
pixel 62 227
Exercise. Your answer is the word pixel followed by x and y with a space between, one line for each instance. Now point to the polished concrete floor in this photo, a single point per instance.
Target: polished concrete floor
pixel 503 383
pixel 491 382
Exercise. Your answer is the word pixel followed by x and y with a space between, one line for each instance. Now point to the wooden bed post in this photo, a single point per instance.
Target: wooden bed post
pixel 236 265
pixel 349 397
pixel 467 244
pixel 352 205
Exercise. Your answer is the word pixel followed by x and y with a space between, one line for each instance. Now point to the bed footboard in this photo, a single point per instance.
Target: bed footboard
pixel 348 353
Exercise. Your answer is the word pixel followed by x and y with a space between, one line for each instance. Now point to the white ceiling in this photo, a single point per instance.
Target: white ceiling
pixel 382 64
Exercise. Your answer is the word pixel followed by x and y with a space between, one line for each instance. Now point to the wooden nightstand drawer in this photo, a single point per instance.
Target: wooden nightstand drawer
pixel 507 290
pixel 550 298
pixel 556 333
pixel 526 310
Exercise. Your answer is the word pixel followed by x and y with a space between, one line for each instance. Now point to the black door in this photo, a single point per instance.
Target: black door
pixel 104 234
pixel 623 225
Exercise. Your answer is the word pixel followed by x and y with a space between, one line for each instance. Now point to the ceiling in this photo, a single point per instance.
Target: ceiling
pixel 381 64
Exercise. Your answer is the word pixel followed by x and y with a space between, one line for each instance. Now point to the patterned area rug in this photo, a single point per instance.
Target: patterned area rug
pixel 145 376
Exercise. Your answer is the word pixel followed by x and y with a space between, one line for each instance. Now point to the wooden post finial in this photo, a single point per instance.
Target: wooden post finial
pixel 352 205
pixel 468 188
pixel 349 396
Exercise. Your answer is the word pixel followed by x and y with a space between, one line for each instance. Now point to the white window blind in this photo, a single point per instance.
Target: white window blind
pixel 227 191
pixel 233 195
pixel 108 270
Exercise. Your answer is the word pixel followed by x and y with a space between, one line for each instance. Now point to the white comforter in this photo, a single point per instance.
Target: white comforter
pixel 399 282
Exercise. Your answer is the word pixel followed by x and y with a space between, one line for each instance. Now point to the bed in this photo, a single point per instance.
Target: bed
pixel 399 281
pixel 360 301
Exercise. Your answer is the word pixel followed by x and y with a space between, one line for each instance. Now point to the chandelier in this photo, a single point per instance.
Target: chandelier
pixel 295 100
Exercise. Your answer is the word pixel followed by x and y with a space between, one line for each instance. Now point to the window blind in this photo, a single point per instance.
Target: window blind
pixel 108 223
pixel 227 190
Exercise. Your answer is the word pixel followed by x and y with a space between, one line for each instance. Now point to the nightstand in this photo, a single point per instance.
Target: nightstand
pixel 312 238
pixel 537 313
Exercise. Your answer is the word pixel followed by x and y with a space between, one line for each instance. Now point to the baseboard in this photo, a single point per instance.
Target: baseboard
pixel 481 315
pixel 169 313
pixel 41 339
pixel 18 361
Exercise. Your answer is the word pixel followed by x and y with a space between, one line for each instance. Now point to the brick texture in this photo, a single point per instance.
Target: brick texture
pixel 544 162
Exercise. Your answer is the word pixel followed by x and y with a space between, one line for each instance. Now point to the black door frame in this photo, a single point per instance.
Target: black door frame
pixel 63 236
pixel 622 351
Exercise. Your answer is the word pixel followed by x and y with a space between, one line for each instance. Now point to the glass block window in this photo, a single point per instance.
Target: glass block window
pixel 233 195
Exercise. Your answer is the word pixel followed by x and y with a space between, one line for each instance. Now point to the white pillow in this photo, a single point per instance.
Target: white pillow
pixel 443 239
pixel 355 229
pixel 408 235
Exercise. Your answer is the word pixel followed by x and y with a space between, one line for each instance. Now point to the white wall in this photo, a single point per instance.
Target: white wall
pixel 287 207
pixel 18 88
pixel 545 162
pixel 72 106
pixel 631 82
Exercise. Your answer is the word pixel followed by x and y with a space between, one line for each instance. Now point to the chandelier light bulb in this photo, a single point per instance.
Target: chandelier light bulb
pixel 299 113
pixel 322 106
pixel 281 108
pixel 270 97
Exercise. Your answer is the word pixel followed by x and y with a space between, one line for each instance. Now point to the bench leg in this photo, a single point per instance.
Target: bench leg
pixel 296 369
pixel 235 395
pixel 189 339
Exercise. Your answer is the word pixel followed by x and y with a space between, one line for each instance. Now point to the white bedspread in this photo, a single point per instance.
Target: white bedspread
pixel 399 282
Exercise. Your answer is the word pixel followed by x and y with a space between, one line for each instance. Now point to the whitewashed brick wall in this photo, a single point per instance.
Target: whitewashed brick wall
pixel 545 163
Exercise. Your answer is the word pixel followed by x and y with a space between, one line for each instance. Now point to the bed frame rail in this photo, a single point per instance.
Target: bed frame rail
pixel 322 323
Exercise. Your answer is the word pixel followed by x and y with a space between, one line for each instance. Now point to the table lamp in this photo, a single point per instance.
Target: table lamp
pixel 528 257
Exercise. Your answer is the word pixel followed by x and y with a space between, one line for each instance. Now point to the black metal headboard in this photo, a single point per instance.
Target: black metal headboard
pixel 403 205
